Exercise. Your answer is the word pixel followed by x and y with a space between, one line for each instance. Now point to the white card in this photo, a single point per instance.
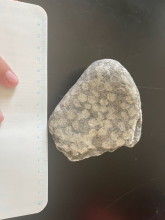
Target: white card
pixel 23 133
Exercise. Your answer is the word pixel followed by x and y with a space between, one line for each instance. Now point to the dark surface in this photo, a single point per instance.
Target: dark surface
pixel 128 184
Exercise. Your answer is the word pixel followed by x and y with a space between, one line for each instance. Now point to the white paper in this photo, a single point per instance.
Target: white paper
pixel 23 133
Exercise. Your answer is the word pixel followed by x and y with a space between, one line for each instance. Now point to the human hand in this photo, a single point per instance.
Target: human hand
pixel 7 78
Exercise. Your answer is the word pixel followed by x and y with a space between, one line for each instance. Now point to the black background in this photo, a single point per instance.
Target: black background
pixel 128 184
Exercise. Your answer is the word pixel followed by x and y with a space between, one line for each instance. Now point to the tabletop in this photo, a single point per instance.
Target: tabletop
pixel 128 183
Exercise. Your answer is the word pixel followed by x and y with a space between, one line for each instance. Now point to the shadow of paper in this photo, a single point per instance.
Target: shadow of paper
pixel 5 96
pixel 6 93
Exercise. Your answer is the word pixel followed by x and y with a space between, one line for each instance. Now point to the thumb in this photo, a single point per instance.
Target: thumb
pixel 7 76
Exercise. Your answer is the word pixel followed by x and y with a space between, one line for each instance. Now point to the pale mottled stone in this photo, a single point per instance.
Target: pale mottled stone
pixel 100 113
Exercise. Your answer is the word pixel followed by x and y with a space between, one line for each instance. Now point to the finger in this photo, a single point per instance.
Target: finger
pixel 3 81
pixel 10 82
pixel 7 76
pixel 1 117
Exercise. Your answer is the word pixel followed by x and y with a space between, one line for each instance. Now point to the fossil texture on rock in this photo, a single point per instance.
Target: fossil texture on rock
pixel 101 112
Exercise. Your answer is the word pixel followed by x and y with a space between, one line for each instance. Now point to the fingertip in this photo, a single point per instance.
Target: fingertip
pixel 7 76
pixel 11 78
pixel 1 117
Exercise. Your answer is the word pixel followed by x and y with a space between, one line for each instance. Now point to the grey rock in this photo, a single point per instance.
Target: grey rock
pixel 101 112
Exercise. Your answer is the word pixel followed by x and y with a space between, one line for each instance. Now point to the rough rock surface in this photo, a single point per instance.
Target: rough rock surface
pixel 100 113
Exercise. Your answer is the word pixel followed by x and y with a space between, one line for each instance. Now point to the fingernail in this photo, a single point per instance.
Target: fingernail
pixel 1 117
pixel 11 78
